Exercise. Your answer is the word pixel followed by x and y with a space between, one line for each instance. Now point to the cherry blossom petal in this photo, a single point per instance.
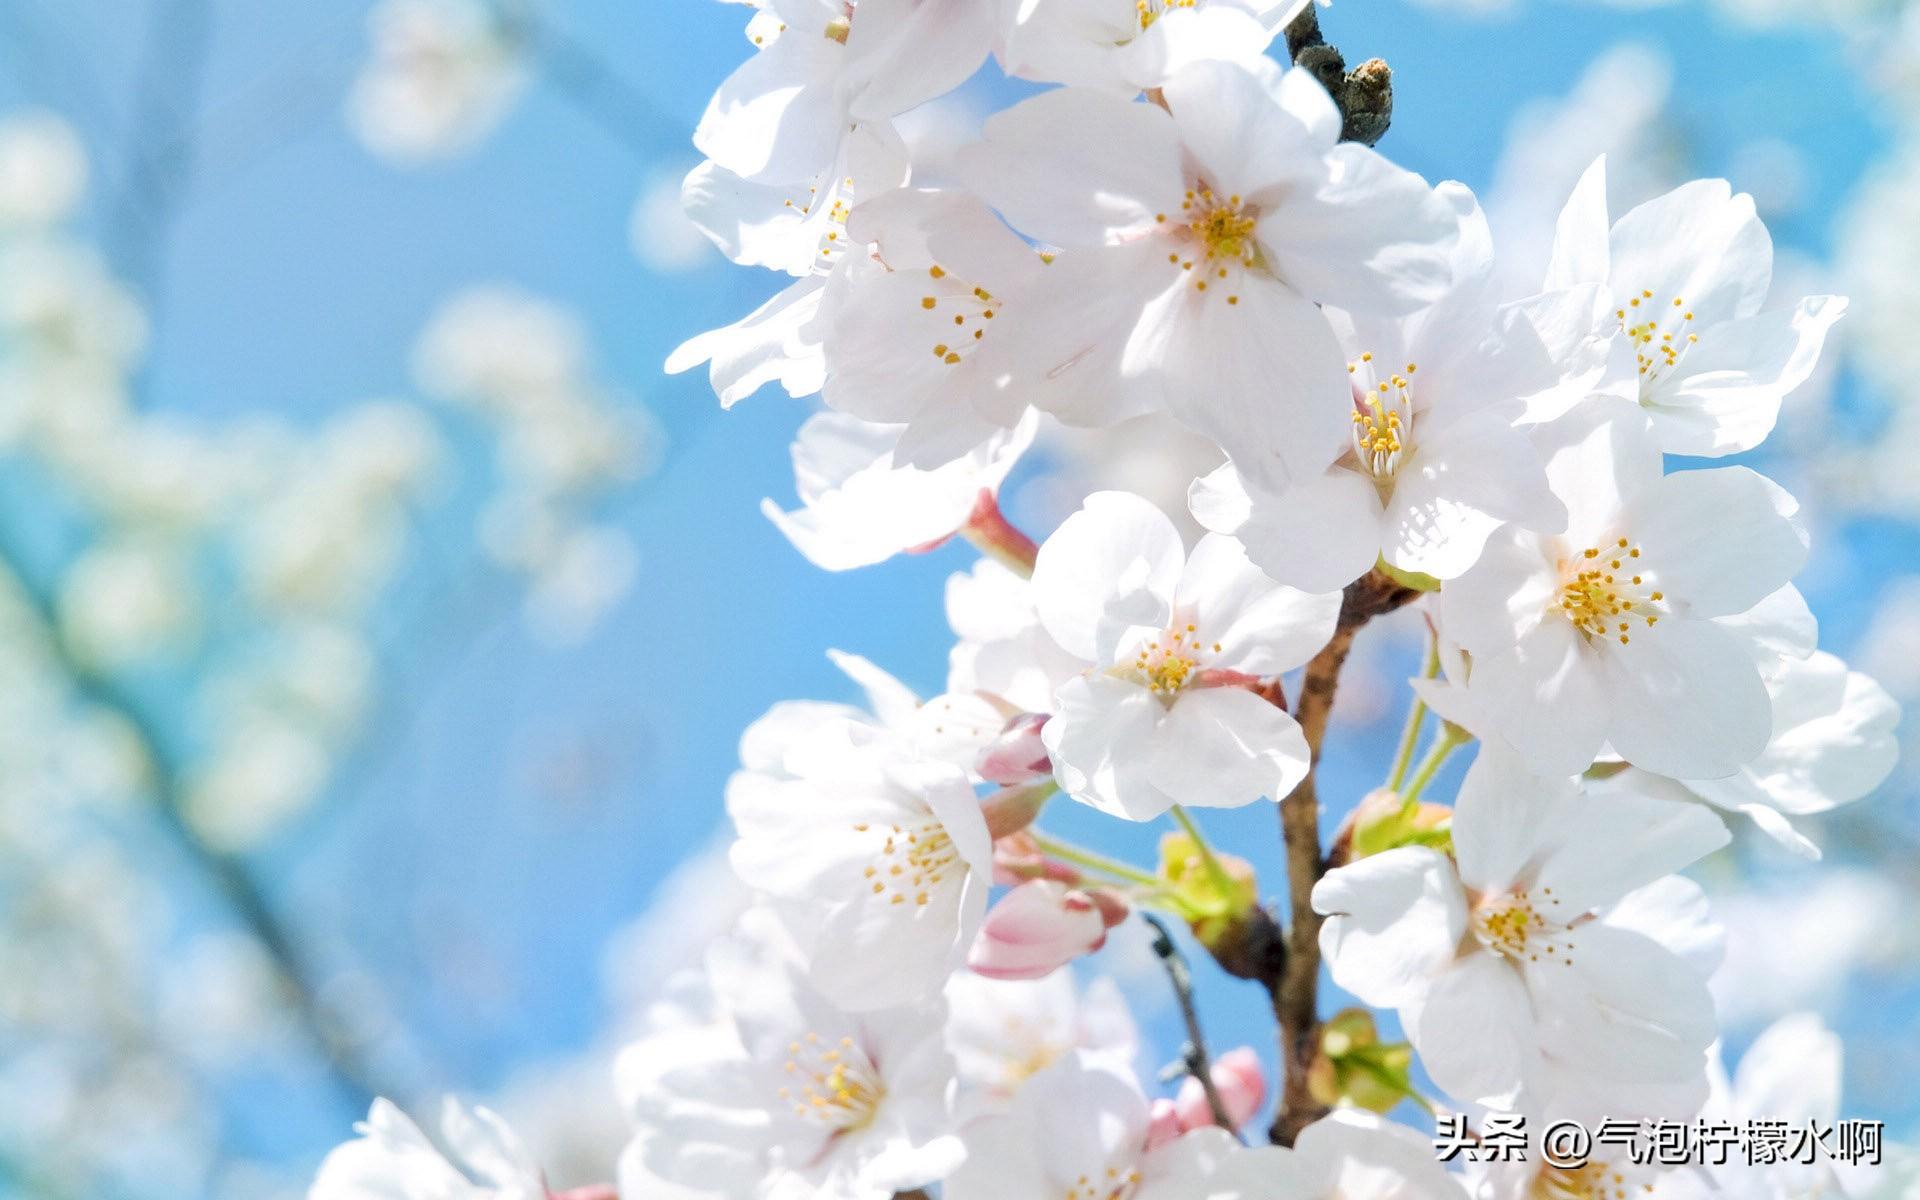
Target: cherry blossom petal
pixel 1095 740
pixel 1394 921
pixel 1475 1029
pixel 1320 534
pixel 1686 701
pixel 1719 541
pixel 1725 395
pixel 1699 243
pixel 1547 700
pixel 1224 747
pixel 1618 1004
pixel 1109 568
pixel 1077 167
pixel 1261 627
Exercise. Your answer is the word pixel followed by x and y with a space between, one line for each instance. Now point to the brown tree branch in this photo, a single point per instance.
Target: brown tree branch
pixel 1296 995
pixel 1364 95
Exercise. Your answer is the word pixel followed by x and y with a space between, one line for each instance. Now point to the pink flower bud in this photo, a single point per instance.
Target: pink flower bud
pixel 1035 929
pixel 1163 1123
pixel 1242 1085
pixel 1018 858
pixel 1017 755
pixel 1113 906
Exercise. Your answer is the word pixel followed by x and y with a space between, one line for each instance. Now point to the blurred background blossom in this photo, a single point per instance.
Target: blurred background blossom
pixel 377 622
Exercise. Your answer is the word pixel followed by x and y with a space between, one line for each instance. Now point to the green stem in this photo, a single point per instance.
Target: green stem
pixel 1222 882
pixel 1067 852
pixel 1437 754
pixel 1416 718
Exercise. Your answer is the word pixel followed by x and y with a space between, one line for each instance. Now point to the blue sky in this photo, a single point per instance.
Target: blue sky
pixel 297 274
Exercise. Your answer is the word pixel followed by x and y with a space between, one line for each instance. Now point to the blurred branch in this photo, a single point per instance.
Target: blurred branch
pixel 604 93
pixel 243 895
pixel 171 72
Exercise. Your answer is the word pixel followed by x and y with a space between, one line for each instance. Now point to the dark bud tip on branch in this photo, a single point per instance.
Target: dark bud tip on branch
pixel 1363 95
pixel 1251 946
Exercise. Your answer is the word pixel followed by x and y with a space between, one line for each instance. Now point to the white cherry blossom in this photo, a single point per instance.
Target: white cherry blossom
pixel 1434 463
pixel 1687 275
pixel 1196 244
pixel 1079 1131
pixel 1346 1155
pixel 879 861
pixel 1535 961
pixel 393 1160
pixel 913 330
pixel 1161 716
pixel 442 75
pixel 799 229
pixel 1005 1031
pixel 1001 646
pixel 784 1095
pixel 823 67
pixel 1132 45
pixel 861 503
pixel 1625 630
pixel 1833 743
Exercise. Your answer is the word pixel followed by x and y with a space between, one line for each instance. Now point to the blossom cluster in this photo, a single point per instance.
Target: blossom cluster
pixel 1175 228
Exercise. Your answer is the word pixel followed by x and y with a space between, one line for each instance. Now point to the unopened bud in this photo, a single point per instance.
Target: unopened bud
pixel 1383 821
pixel 1163 1123
pixel 1018 755
pixel 1239 1081
pixel 1037 928
pixel 1352 1066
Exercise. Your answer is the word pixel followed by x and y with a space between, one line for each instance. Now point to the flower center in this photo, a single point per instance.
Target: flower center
pixel 1594 1181
pixel 1661 334
pixel 842 25
pixel 1510 925
pixel 1223 229
pixel 1382 418
pixel 1608 592
pixel 1152 10
pixel 833 1083
pixel 951 302
pixel 1114 1183
pixel 1170 662
pixel 910 861
pixel 839 202
pixel 1218 235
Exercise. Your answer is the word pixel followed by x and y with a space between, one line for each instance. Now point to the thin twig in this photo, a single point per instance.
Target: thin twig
pixel 1195 1051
